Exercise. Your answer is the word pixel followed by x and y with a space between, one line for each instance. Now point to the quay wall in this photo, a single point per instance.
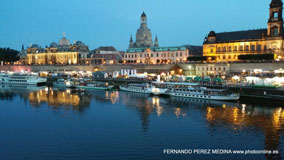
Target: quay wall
pixel 187 68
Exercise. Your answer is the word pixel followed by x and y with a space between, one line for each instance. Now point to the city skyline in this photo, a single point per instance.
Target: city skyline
pixel 110 24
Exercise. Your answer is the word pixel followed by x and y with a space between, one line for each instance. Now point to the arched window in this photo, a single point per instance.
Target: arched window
pixel 246 48
pixel 236 48
pixel 253 48
pixel 275 31
pixel 258 47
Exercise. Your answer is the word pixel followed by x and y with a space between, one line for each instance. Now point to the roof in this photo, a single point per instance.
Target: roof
pixel 241 35
pixel 143 14
pixel 106 48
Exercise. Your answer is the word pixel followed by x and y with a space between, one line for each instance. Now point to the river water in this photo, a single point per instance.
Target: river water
pixel 41 123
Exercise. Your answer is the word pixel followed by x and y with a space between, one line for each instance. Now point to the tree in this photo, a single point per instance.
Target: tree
pixel 266 56
pixel 9 55
pixel 197 58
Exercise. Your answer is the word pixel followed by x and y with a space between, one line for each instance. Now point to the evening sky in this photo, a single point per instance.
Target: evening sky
pixel 111 22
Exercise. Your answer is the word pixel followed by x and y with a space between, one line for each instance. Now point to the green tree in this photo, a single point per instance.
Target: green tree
pixel 9 55
pixel 266 56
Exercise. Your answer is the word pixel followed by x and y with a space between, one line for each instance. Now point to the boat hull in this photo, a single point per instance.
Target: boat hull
pixel 146 91
pixel 208 97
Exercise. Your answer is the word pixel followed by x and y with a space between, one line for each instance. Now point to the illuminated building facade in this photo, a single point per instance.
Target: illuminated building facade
pixel 228 46
pixel 61 53
pixel 156 55
pixel 106 55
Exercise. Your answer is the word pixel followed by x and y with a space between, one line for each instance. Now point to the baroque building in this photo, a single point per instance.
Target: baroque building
pixel 62 53
pixel 143 35
pixel 156 55
pixel 227 46
pixel 146 52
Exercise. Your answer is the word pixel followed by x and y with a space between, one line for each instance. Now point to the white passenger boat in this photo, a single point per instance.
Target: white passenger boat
pixel 143 88
pixel 203 93
pixel 94 86
pixel 21 78
pixel 194 90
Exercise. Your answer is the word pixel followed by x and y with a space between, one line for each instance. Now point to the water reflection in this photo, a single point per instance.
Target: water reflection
pixel 233 118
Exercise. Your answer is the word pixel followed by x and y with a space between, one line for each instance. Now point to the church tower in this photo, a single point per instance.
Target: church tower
pixel 131 43
pixel 144 34
pixel 156 42
pixel 143 19
pixel 275 22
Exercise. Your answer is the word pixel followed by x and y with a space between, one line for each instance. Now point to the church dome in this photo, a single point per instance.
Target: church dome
pixel 212 34
pixel 53 45
pixel 64 42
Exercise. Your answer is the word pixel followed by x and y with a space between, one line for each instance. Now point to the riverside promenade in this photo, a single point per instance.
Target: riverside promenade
pixel 188 68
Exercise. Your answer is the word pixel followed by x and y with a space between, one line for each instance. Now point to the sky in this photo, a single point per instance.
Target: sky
pixel 111 22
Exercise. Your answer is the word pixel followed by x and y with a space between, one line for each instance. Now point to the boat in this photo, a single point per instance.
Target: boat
pixel 62 83
pixel 94 85
pixel 21 78
pixel 143 88
pixel 204 93
pixel 194 90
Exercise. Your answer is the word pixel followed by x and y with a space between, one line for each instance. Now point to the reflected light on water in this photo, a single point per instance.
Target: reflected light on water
pixel 178 112
pixel 156 104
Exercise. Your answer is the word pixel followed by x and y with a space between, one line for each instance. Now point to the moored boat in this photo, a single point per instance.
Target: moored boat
pixel 94 85
pixel 21 78
pixel 143 88
pixel 204 93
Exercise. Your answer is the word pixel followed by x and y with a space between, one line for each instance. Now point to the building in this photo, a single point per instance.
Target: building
pixel 62 53
pixel 144 51
pixel 217 69
pixel 143 35
pixel 156 55
pixel 105 55
pixel 227 46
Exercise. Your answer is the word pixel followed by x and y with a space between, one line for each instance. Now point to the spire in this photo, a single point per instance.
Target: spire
pixel 131 39
pixel 156 42
pixel 143 14
pixel 276 3
pixel 143 18
pixel 131 44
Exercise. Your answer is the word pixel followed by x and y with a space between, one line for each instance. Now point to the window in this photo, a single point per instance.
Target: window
pixel 219 49
pixel 157 54
pixel 241 48
pixel 230 49
pixel 224 49
pixel 258 47
pixel 275 15
pixel 265 48
pixel 211 50
pixel 236 48
pixel 224 57
pixel 176 54
pixel 180 54
pixel 229 57
pixel 275 31
pixel 246 48
pixel 252 48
